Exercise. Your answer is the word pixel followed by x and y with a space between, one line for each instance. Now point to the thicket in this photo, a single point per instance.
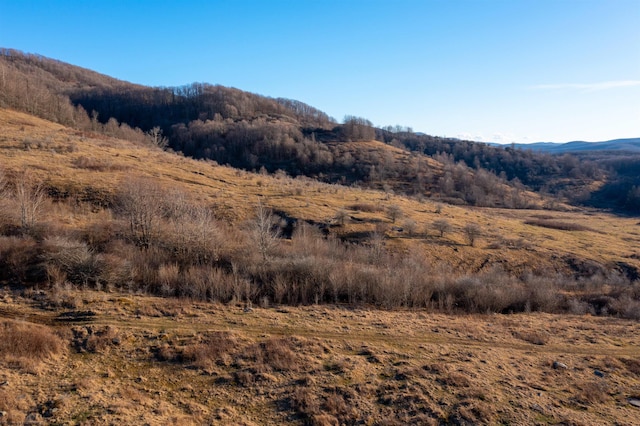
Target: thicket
pixel 157 240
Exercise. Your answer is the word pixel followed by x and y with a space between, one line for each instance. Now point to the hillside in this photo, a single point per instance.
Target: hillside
pixel 112 358
pixel 81 169
pixel 139 285
pixel 254 132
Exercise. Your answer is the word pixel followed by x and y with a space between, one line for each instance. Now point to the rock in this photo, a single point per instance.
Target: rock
pixel 558 364
pixel 3 414
pixel 248 309
pixel 33 419
pixel 635 402
pixel 4 383
pixel 598 373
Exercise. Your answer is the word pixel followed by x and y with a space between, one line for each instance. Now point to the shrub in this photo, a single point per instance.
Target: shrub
pixel 20 260
pixel 218 348
pixel 593 393
pixel 556 224
pixel 94 339
pixel 532 336
pixel 96 164
pixel 626 307
pixel 275 354
pixel 366 207
pixel 73 258
pixel 27 344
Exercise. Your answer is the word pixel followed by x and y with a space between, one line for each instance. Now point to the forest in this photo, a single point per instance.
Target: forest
pixel 253 132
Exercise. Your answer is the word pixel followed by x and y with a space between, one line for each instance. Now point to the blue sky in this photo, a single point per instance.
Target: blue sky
pixel 492 70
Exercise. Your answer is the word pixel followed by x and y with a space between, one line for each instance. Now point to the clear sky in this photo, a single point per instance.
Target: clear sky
pixel 492 70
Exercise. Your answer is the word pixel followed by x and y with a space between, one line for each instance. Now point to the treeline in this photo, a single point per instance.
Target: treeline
pixel 254 132
pixel 538 171
pixel 622 190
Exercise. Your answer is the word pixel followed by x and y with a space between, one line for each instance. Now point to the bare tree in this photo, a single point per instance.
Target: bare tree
pixel 442 226
pixel 410 226
pixel 341 216
pixel 156 138
pixel 30 197
pixel 193 228
pixel 376 242
pixel 394 212
pixel 264 231
pixel 140 201
pixel 472 232
pixel 204 234
pixel 3 193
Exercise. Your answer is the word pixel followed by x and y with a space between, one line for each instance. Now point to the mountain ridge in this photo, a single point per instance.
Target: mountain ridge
pixel 623 144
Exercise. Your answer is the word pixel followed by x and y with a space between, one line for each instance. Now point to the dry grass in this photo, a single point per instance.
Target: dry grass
pixel 166 361
pixel 97 165
pixel 322 365
pixel 26 345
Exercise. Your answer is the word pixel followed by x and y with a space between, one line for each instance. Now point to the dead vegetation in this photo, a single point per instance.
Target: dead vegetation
pixel 220 364
pixel 24 345
pixel 188 231
pixel 556 224
pixel 361 323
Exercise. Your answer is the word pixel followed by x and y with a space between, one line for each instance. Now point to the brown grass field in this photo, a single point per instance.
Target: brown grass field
pixel 77 356
pixel 92 167
pixel 145 360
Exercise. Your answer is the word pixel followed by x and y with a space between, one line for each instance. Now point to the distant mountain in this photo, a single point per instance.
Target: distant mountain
pixel 630 145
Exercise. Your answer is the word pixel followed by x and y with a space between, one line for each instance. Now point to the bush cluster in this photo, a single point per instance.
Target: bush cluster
pixel 156 240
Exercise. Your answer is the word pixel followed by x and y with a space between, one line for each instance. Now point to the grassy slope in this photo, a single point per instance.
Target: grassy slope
pixel 290 365
pixel 93 164
pixel 354 364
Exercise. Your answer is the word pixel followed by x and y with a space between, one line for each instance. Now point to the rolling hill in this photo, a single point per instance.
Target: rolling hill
pixel 339 274
pixel 254 132
pixel 377 335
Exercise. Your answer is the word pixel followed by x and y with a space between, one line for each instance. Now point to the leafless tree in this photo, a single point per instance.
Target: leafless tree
pixel 3 193
pixel 264 231
pixel 156 138
pixel 140 201
pixel 30 197
pixel 410 226
pixel 442 226
pixel 394 212
pixel 376 242
pixel 341 216
pixel 472 232
pixel 3 184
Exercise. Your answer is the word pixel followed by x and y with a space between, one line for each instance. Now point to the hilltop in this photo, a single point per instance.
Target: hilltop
pixel 253 132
